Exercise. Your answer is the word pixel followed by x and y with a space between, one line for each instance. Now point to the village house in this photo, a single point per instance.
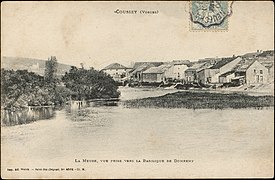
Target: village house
pixel 135 65
pixel 176 70
pixel 156 74
pixel 191 74
pixel 266 58
pixel 252 72
pixel 204 76
pixel 270 68
pixel 136 74
pixel 116 70
pixel 139 68
pixel 212 74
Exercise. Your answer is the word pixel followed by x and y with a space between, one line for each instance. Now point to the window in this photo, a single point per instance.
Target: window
pixel 257 78
pixel 255 71
pixel 261 71
pixel 261 79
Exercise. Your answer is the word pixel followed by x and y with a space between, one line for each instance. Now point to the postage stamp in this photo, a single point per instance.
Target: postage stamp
pixel 209 15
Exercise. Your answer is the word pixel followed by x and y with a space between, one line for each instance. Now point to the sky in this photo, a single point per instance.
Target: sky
pixel 91 33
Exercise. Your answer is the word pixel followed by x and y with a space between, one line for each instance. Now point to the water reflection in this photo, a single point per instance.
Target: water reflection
pixel 76 105
pixel 30 114
pixel 77 108
pixel 24 116
pixel 103 103
pixel 84 110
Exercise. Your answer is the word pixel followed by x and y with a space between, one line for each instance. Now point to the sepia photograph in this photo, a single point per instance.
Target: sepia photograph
pixel 137 89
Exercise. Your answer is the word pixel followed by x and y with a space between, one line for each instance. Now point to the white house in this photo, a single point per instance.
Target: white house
pixel 117 71
pixel 176 70
pixel 253 72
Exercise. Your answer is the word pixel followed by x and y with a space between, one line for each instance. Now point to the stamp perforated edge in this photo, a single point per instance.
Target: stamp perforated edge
pixel 230 12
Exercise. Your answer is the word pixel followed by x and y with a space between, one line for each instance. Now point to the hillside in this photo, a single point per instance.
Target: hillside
pixel 30 64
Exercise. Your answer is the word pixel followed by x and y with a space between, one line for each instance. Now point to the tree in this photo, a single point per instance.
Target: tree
pixel 51 79
pixel 90 84
pixel 51 70
pixel 21 88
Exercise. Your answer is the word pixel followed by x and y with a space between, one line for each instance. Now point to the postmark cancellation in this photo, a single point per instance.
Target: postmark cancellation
pixel 209 15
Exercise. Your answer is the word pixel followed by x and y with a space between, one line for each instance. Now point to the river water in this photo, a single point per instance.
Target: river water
pixel 221 143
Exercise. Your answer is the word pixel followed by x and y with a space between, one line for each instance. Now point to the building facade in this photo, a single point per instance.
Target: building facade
pixel 191 73
pixel 156 74
pixel 176 71
pixel 256 74
pixel 212 74
pixel 116 71
pixel 253 73
pixel 205 76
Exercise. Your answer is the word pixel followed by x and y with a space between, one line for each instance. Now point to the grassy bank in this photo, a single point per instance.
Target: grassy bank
pixel 202 100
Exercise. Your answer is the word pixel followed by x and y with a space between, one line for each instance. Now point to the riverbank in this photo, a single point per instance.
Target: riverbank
pixel 260 89
pixel 202 100
pixel 140 91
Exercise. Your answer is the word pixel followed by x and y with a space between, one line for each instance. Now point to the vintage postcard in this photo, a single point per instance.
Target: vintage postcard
pixel 157 89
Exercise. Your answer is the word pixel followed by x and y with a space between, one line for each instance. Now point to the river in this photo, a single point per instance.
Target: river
pixel 221 143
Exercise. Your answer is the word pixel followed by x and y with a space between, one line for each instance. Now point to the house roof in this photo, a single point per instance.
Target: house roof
pixel 142 67
pixel 227 73
pixel 157 70
pixel 245 66
pixel 237 77
pixel 137 64
pixel 181 62
pixel 196 66
pixel 190 70
pixel 115 66
pixel 223 62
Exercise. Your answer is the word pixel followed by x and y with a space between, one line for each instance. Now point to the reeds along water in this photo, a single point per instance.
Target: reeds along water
pixel 30 114
pixel 75 105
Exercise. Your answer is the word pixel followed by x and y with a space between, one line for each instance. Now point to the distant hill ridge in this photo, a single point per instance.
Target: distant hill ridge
pixel 30 64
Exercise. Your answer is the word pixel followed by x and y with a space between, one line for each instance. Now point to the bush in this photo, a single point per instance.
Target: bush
pixel 90 84
pixel 22 88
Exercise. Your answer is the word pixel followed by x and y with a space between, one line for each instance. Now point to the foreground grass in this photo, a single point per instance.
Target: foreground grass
pixel 202 100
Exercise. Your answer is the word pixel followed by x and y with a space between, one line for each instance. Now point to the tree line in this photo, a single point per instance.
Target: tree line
pixel 20 88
